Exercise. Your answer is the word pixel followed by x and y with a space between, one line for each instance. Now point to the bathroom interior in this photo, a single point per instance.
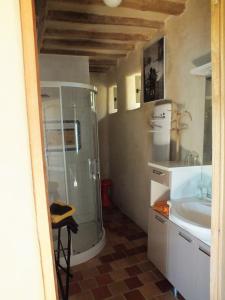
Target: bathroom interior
pixel 103 119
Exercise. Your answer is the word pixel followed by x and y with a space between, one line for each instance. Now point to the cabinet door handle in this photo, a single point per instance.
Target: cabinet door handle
pixel 186 238
pixel 204 251
pixel 158 173
pixel 160 219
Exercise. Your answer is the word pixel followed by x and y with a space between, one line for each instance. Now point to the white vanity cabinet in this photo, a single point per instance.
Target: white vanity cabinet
pixel 157 250
pixel 202 270
pixel 183 259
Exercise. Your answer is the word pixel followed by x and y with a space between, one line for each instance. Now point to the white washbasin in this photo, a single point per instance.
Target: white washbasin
pixel 194 215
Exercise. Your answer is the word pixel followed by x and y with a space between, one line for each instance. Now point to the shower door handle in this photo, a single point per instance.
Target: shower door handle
pixel 93 169
pixel 77 131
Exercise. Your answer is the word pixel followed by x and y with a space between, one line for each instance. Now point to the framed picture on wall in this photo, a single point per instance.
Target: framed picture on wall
pixel 154 71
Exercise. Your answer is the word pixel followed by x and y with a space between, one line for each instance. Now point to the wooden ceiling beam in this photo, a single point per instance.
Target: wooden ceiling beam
pixel 42 11
pixel 86 18
pixel 160 6
pixel 92 54
pixel 102 62
pixel 87 44
pixel 97 69
pixel 74 34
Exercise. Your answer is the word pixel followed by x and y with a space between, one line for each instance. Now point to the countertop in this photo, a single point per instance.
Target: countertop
pixel 168 165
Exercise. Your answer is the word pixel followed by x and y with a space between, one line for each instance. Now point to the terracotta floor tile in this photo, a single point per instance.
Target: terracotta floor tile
pixel 140 242
pixel 119 264
pixel 88 284
pixel 142 249
pixel 94 262
pixel 118 287
pixel 132 260
pixel 101 293
pixel 104 279
pixel 136 236
pixel 106 258
pixel 150 291
pixel 147 277
pixel 120 254
pixel 167 296
pixel 74 288
pixel 164 285
pixel 134 295
pixel 105 268
pixel 132 251
pixel 132 271
pixel 119 274
pixel 158 274
pixel 118 297
pixel 146 266
pixel 90 273
pixel 82 296
pixel 106 251
pixel 133 282
pixel 77 276
pixel 119 247
pixel 142 257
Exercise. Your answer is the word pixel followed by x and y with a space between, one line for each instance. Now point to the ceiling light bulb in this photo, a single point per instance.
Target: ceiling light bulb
pixel 112 3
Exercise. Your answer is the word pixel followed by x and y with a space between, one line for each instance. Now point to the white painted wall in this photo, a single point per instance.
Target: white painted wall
pixel 21 276
pixel 64 68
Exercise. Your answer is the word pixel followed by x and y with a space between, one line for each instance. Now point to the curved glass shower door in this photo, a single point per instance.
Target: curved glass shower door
pixel 82 164
pixel 75 158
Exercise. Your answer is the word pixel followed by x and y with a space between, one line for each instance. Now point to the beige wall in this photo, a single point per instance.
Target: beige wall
pixel 129 147
pixel 187 38
pixel 21 275
pixel 64 68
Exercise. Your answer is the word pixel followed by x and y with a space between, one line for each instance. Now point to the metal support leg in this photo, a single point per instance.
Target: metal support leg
pixel 68 262
pixel 66 255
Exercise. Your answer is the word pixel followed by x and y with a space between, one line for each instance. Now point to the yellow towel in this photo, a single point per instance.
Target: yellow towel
pixel 58 218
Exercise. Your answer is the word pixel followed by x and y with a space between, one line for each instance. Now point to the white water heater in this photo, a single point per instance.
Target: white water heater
pixel 160 123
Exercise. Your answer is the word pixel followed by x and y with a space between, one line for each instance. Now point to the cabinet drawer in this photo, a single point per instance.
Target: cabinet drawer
pixel 182 261
pixel 160 176
pixel 157 240
pixel 202 284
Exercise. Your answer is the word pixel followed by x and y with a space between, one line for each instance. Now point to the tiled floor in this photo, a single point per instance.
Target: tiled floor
pixel 121 271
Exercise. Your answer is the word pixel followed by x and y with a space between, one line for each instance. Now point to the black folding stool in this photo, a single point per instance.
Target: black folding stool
pixel 61 216
pixel 66 254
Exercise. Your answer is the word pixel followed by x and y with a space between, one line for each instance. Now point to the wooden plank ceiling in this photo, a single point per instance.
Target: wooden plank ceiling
pixel 104 34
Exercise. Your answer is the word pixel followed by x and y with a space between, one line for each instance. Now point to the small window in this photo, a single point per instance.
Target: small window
pixel 133 89
pixel 115 97
pixel 112 96
pixel 138 88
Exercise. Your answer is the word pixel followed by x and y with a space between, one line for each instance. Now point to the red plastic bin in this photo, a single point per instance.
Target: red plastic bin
pixel 106 192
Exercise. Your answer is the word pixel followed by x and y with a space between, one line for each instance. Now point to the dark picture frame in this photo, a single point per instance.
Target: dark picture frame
pixel 154 71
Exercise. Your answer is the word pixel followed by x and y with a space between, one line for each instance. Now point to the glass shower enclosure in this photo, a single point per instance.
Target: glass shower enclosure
pixel 72 159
